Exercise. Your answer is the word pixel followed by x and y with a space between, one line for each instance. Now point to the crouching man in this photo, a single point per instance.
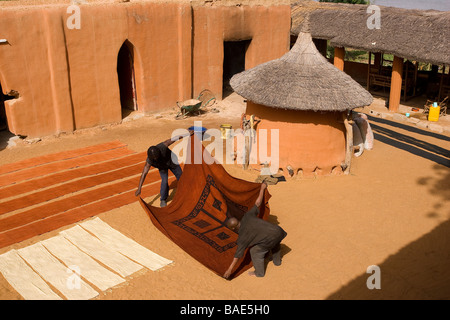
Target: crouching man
pixel 257 234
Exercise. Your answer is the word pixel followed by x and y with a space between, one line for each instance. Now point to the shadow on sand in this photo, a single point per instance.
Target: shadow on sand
pixel 410 144
pixel 5 135
pixel 408 128
pixel 417 271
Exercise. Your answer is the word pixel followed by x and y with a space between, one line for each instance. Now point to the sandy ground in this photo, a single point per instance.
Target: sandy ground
pixel 392 211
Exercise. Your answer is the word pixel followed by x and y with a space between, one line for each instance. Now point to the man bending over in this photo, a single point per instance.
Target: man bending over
pixel 161 157
pixel 258 234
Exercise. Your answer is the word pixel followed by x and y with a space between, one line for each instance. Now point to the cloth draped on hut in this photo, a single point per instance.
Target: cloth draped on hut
pixel 362 134
pixel 205 198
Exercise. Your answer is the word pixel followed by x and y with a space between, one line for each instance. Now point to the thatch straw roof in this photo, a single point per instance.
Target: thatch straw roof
pixel 302 79
pixel 418 35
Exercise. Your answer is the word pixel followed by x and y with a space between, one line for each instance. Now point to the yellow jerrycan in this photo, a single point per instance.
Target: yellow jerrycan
pixel 433 114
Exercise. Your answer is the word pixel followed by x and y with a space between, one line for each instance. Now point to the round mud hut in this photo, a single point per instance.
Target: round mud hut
pixel 308 100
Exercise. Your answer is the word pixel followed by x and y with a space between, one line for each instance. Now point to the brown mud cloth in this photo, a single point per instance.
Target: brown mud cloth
pixel 206 196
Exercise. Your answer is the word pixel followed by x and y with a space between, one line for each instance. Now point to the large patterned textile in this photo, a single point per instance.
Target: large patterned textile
pixel 206 196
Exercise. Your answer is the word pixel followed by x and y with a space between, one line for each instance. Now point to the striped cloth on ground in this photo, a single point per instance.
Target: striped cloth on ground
pixel 45 193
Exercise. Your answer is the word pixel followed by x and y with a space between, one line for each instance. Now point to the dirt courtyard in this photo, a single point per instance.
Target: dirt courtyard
pixel 392 211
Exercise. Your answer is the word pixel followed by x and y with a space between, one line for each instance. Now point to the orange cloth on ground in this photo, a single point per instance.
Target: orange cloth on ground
pixel 206 196
pixel 55 190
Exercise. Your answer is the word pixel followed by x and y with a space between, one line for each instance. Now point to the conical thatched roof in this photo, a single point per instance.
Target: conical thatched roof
pixel 302 79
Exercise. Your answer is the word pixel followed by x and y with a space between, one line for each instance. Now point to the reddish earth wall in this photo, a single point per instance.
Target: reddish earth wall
pixel 267 26
pixel 67 78
pixel 313 142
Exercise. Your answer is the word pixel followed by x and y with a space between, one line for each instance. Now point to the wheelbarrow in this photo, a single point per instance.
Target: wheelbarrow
pixel 195 106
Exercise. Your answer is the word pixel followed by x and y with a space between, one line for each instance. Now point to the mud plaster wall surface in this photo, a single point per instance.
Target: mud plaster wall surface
pixel 267 27
pixel 67 78
pixel 311 141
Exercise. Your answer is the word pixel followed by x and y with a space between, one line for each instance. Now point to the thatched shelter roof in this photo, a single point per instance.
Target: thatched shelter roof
pixel 302 79
pixel 419 35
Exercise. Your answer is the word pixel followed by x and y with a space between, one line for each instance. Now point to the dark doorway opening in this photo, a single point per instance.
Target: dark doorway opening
pixel 4 97
pixel 127 82
pixel 233 62
pixel 3 120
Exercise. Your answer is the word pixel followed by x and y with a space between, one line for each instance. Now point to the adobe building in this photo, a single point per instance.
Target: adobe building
pixel 139 55
pixel 307 100
pixel 231 38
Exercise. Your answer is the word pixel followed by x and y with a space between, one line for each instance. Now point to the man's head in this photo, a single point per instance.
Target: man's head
pixel 154 154
pixel 233 224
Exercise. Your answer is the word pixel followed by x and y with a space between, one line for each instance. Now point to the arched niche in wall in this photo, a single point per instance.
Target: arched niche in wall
pixel 126 78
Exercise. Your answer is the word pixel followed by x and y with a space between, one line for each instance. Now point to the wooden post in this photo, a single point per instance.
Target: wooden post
pixel 396 84
pixel 377 61
pixel 441 82
pixel 339 54
pixel 368 70
pixel 246 150
pixel 246 126
pixel 415 77
pixel 406 83
pixel 348 123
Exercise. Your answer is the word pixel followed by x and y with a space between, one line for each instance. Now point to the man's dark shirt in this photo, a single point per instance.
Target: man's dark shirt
pixel 165 162
pixel 255 231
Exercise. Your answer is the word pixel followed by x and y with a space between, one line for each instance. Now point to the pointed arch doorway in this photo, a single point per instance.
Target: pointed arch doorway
pixel 126 76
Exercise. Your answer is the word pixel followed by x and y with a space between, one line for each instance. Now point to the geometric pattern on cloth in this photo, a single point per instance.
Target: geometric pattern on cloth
pixel 207 220
pixel 206 196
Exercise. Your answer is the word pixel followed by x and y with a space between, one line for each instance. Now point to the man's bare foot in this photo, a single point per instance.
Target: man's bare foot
pixel 251 273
